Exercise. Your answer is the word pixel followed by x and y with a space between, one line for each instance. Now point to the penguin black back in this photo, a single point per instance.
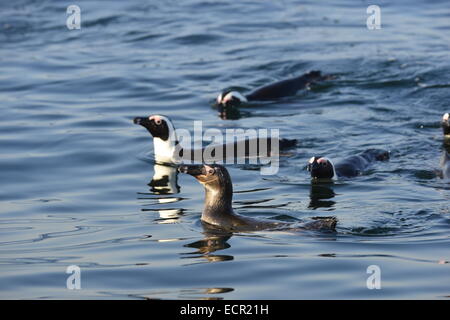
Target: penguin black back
pixel 284 88
pixel 273 91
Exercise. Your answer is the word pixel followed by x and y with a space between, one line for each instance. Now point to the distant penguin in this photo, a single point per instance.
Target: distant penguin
pixel 324 168
pixel 218 210
pixel 277 90
pixel 446 125
pixel 168 149
pixel 445 158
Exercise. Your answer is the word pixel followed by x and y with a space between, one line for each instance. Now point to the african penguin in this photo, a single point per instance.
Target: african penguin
pixel 277 90
pixel 446 125
pixel 168 149
pixel 445 158
pixel 218 210
pixel 322 168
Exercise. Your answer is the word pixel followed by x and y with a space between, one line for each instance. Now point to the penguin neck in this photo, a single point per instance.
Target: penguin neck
pixel 164 149
pixel 335 176
pixel 218 201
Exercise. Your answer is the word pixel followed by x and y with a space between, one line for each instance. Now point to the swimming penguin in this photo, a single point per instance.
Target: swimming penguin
pixel 324 168
pixel 446 125
pixel 218 210
pixel 168 149
pixel 277 90
pixel 445 158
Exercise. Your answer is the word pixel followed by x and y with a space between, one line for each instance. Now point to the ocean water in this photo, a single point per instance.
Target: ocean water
pixel 75 171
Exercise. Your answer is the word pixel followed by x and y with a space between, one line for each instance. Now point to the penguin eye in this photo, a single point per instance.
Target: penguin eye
pixel 157 120
pixel 210 171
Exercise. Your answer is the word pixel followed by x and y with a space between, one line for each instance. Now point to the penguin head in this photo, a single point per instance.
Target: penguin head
pixel 159 126
pixel 165 141
pixel 446 124
pixel 230 98
pixel 227 103
pixel 213 176
pixel 321 168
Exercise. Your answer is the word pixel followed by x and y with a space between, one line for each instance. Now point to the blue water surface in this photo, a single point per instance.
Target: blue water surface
pixel 74 170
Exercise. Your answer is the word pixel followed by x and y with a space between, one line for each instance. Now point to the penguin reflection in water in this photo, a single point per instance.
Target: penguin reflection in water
pixel 218 210
pixel 228 101
pixel 214 240
pixel 321 196
pixel 164 185
pixel 164 180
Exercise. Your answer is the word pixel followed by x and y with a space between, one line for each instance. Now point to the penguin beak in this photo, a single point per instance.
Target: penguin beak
pixel 193 170
pixel 141 121
pixel 146 123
